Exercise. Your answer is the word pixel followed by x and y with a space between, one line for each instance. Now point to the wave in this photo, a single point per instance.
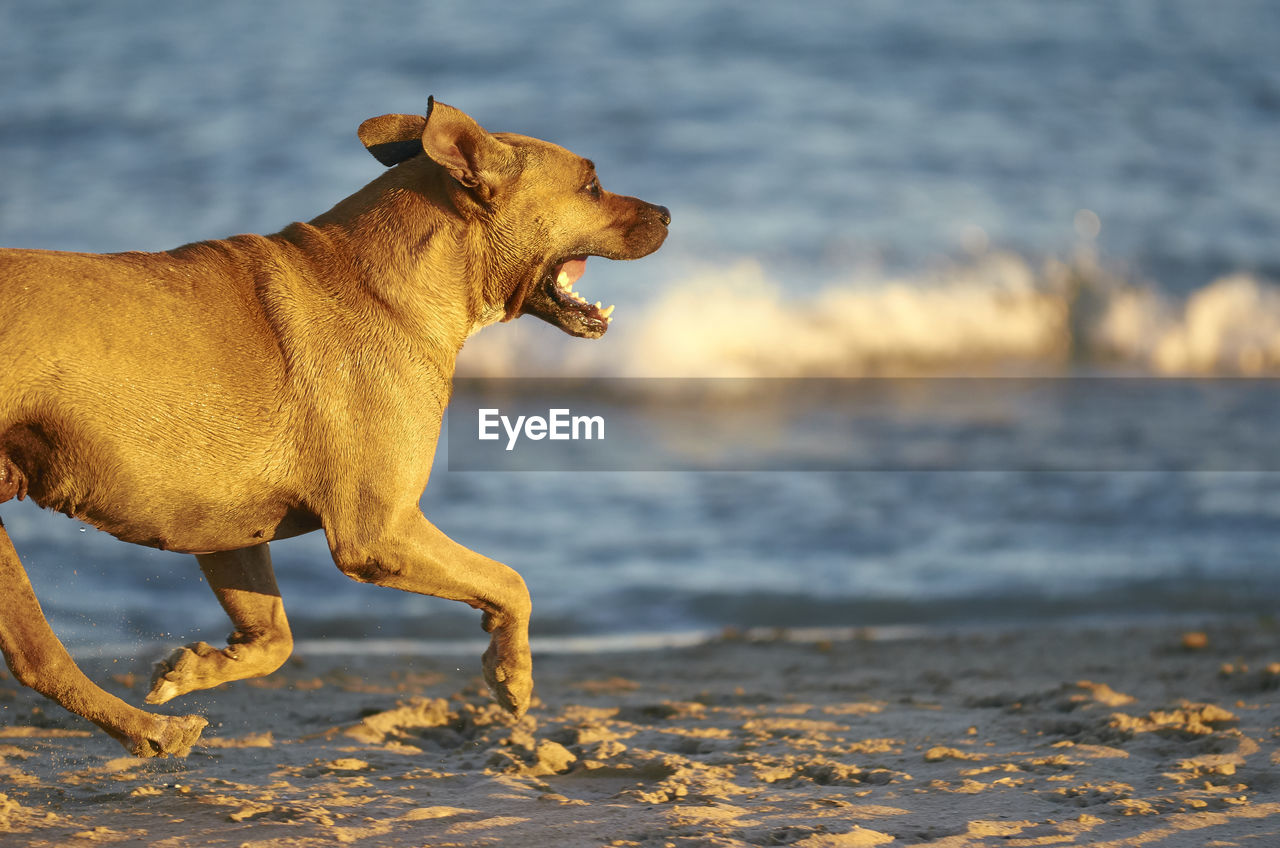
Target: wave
pixel 1000 312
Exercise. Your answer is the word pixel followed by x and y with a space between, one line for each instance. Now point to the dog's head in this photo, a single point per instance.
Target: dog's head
pixel 543 206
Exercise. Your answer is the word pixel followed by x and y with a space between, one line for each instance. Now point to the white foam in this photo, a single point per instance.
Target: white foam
pixel 1000 311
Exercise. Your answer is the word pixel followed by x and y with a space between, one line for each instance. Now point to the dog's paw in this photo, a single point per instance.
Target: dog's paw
pixel 181 672
pixel 509 675
pixel 172 736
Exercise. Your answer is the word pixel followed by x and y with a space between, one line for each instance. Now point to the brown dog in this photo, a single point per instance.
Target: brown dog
pixel 214 397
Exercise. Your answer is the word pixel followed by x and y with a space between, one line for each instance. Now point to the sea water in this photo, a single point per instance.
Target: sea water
pixel 860 191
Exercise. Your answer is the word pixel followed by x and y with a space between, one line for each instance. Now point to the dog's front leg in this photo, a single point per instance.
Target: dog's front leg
pixel 245 585
pixel 414 555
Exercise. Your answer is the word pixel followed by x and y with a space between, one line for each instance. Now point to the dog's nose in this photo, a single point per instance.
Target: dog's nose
pixel 664 215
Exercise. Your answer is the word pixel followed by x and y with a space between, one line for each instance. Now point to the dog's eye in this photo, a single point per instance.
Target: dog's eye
pixel 593 188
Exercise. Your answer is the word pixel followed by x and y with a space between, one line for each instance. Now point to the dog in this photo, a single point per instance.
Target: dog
pixel 214 397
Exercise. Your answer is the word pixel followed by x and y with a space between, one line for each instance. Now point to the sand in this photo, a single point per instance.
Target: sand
pixel 1102 736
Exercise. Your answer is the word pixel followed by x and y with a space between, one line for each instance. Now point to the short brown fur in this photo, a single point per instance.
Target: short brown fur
pixel 214 397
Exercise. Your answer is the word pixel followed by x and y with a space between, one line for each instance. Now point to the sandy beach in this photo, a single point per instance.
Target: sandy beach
pixel 1150 735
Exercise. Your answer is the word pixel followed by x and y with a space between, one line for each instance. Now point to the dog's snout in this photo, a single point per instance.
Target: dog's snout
pixel 664 215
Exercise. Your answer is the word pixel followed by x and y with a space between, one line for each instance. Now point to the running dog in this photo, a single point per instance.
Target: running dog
pixel 211 398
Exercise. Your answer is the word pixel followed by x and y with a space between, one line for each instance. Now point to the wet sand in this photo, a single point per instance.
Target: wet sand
pixel 1140 736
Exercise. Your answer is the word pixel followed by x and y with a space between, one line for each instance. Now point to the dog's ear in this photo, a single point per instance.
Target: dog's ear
pixel 393 138
pixel 472 156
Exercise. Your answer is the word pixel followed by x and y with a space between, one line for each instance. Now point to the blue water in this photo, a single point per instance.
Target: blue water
pixel 811 132
pixel 829 155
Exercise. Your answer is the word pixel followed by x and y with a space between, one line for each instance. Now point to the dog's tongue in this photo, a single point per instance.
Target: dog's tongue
pixel 571 271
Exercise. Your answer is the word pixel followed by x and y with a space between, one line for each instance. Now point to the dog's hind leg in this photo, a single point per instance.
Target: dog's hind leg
pixel 38 659
pixel 246 587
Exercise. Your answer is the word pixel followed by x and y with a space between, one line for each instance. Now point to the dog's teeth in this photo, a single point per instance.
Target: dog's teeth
pixel 597 304
pixel 607 311
pixel 563 281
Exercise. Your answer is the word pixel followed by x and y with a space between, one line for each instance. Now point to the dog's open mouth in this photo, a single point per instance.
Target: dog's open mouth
pixel 554 301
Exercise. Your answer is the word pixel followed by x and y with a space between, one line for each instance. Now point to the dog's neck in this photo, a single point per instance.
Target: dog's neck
pixel 415 253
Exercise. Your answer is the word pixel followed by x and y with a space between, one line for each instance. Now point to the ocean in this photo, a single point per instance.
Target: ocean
pixel 902 196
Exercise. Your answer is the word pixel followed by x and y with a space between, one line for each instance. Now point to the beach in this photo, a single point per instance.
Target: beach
pixel 998 284
pixel 1154 734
